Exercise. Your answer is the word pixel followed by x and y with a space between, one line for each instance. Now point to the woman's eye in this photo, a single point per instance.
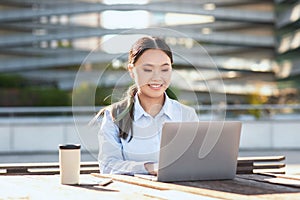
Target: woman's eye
pixel 147 70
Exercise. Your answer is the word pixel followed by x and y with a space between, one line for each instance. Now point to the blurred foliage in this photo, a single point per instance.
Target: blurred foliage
pixel 90 95
pixel 290 82
pixel 256 99
pixel 46 96
pixel 17 91
pixel 11 81
pixel 34 96
pixel 82 95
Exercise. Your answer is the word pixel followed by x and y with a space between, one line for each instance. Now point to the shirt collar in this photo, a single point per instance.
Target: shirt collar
pixel 139 111
pixel 167 107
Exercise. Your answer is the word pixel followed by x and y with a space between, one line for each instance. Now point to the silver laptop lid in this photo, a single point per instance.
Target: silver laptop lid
pixel 199 150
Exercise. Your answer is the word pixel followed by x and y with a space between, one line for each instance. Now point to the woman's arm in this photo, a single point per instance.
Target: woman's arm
pixel 111 158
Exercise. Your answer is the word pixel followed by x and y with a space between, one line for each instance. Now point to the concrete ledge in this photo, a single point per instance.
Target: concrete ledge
pixel 256 135
pixel 270 134
pixel 5 138
pixel 40 135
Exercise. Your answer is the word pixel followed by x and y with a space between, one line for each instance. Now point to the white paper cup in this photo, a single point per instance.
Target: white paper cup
pixel 69 163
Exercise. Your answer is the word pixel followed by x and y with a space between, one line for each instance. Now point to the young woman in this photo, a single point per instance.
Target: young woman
pixel 129 136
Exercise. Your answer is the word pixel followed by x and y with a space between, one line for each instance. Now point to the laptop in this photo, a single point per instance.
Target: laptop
pixel 191 151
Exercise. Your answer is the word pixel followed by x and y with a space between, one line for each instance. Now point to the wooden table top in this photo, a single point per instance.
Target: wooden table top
pixel 251 186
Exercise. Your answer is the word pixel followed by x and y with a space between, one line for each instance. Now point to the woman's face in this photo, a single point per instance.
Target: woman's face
pixel 152 73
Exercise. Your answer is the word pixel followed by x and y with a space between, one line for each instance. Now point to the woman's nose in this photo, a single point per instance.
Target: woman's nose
pixel 156 74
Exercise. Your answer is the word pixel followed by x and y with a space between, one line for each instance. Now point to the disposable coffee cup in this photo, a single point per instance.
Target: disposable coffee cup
pixel 69 163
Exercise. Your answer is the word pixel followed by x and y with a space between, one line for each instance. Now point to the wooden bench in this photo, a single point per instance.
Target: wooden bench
pixel 43 168
pixel 261 164
pixel 245 165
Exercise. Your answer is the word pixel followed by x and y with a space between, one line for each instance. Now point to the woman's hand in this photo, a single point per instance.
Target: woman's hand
pixel 151 168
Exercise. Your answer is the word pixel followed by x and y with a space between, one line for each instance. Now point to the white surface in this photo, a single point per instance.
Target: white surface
pixel 45 134
pixel 4 139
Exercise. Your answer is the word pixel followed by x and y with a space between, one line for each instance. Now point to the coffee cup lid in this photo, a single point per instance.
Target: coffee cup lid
pixel 69 146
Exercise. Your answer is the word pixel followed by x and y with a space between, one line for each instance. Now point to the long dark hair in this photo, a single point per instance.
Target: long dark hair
pixel 123 111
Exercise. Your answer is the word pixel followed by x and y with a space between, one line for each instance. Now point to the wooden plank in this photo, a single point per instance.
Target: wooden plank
pixel 46 171
pixel 272 167
pixel 273 171
pixel 276 180
pixel 268 165
pixel 28 165
pixel 49 187
pixel 42 165
pixel 43 168
pixel 260 159
pixel 241 161
pixel 128 187
pixel 239 188
pixel 292 177
pixel 251 165
pixel 245 165
pixel 169 186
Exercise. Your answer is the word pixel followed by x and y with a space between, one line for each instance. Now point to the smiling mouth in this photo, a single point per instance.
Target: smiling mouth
pixel 155 86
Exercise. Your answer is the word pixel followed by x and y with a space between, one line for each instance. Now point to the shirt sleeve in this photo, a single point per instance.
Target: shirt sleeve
pixel 193 115
pixel 189 114
pixel 111 160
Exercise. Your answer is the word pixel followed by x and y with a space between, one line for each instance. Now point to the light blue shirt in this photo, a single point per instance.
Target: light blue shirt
pixel 118 156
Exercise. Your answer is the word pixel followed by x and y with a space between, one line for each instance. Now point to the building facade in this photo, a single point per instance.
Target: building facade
pixel 246 50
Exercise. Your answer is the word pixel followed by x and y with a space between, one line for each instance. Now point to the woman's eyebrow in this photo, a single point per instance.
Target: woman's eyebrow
pixel 166 64
pixel 152 65
pixel 148 65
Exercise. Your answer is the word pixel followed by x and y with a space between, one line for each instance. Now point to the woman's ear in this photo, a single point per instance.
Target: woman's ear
pixel 130 69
